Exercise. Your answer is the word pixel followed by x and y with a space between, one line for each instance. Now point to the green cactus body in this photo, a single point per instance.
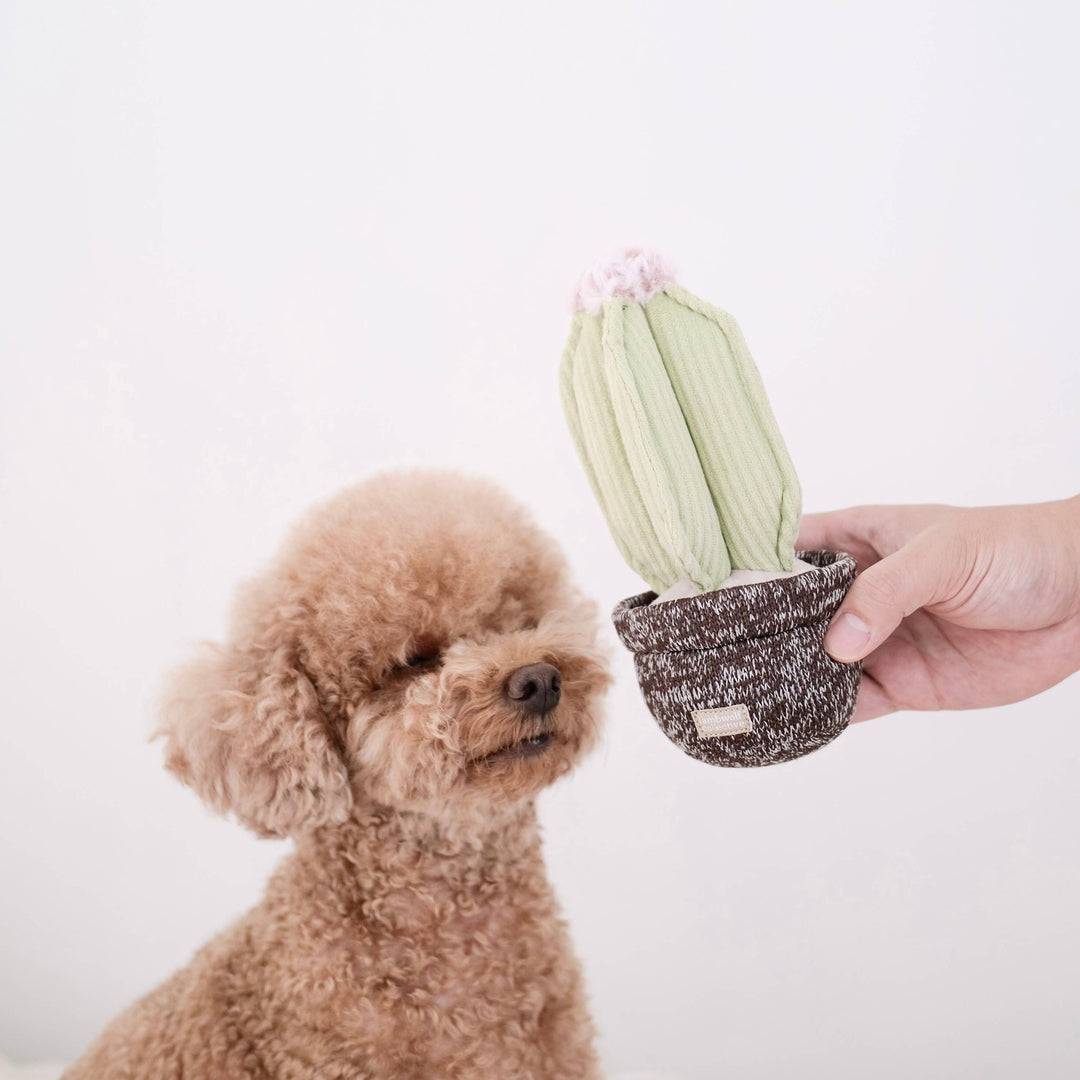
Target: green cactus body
pixel 670 418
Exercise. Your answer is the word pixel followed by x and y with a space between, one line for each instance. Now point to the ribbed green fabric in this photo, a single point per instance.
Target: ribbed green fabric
pixel 670 418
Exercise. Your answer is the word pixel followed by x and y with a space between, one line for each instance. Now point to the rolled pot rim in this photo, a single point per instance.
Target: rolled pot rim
pixel 738 613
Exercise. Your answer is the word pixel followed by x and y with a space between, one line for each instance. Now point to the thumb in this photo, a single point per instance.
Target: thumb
pixel 881 596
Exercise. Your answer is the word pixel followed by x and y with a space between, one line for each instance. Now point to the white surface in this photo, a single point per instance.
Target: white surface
pixel 255 251
pixel 37 1071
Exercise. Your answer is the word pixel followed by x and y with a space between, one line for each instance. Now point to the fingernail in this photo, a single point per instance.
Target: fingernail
pixel 847 637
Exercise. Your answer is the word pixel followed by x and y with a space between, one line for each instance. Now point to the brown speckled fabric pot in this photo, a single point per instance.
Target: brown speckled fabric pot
pixel 739 677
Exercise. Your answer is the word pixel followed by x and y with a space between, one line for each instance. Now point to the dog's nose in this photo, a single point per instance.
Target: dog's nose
pixel 535 687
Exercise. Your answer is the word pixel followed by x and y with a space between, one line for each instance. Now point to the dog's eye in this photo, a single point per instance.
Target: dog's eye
pixel 423 653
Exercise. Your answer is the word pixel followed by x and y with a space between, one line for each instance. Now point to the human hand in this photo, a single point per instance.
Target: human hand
pixel 955 608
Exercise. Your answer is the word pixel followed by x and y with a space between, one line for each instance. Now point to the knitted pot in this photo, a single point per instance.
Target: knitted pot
pixel 739 676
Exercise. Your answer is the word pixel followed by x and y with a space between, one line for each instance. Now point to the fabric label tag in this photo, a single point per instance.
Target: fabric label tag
pixel 717 723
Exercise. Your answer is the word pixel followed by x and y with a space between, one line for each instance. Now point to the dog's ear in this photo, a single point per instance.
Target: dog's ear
pixel 244 728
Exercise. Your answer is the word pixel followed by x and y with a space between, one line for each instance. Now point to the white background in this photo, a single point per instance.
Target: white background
pixel 253 252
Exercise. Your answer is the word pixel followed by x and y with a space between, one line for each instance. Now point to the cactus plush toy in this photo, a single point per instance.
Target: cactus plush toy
pixel 671 421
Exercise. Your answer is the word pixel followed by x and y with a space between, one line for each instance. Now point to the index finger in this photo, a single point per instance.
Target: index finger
pixel 840 530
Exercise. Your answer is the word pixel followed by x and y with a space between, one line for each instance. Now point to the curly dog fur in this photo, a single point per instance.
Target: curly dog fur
pixel 360 705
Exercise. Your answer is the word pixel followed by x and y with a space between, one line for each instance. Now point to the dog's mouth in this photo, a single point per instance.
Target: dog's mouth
pixel 533 746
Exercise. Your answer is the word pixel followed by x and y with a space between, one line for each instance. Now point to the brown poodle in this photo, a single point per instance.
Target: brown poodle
pixel 397 687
